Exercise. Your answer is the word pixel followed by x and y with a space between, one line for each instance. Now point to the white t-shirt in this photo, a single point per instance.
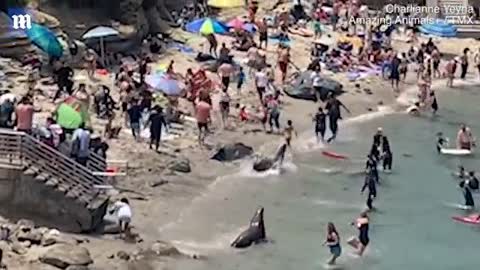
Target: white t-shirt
pixel 316 79
pixel 123 209
pixel 262 79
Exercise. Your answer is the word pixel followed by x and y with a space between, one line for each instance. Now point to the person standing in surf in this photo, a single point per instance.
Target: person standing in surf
pixel 465 139
pixel 333 243
pixel 370 183
pixel 464 63
pixel 441 142
pixel 361 243
pixel 467 194
pixel 371 167
pixel 320 120
pixel 289 132
pixel 334 114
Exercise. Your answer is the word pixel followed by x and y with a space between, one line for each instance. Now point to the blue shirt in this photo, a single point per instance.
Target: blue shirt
pixel 81 139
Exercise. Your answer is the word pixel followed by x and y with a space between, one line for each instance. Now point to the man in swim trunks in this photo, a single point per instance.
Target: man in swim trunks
pixel 465 138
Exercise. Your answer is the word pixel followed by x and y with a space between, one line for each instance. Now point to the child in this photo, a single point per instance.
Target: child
pixel 124 215
pixel 241 80
pixel 317 28
pixel 441 141
pixel 289 132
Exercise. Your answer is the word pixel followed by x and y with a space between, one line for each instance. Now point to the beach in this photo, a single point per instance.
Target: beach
pixel 201 212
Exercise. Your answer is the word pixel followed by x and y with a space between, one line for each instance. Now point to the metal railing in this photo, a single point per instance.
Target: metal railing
pixel 19 149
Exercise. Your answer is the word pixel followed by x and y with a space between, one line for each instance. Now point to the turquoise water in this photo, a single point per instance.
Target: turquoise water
pixel 412 228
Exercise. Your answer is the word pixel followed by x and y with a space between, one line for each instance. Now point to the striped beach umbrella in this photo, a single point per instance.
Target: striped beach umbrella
pixel 207 26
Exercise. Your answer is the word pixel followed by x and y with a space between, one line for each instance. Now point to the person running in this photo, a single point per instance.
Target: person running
pixel 317 80
pixel 135 117
pixel 225 107
pixel 464 63
pixel 370 183
pixel 156 121
pixel 289 132
pixel 333 242
pixel 261 82
pixel 476 60
pixel 371 166
pixel 283 61
pixel 225 71
pixel 361 243
pixel 334 114
pixel 387 155
pixel 395 72
pixel 320 120
pixel 465 139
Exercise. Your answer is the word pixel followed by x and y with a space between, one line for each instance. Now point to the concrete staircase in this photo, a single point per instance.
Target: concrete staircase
pixel 62 192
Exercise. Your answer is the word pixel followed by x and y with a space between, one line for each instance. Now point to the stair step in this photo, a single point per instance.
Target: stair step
pixel 52 182
pixel 96 201
pixel 62 187
pixel 31 170
pixel 43 177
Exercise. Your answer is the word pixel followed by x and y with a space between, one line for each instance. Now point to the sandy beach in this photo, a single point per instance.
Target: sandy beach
pixel 158 195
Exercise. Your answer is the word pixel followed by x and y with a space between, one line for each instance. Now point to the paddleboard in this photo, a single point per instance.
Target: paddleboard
pixel 471 219
pixel 333 155
pixel 459 206
pixel 455 152
pixel 332 266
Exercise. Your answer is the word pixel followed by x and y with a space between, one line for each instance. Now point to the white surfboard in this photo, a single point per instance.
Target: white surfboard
pixel 455 152
pixel 458 206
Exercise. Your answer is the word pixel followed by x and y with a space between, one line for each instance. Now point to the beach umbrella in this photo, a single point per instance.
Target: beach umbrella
pixel 207 26
pixel 45 40
pixel 239 24
pixel 100 32
pixel 440 28
pixel 71 113
pixel 226 3
pixel 163 83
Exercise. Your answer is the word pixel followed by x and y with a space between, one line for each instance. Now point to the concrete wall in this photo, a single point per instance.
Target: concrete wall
pixel 21 196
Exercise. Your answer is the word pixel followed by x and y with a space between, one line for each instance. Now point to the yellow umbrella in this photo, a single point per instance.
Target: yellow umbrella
pixel 226 3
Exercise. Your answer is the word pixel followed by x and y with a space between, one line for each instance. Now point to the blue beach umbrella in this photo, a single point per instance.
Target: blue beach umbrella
pixel 161 82
pixel 207 26
pixel 45 40
pixel 440 28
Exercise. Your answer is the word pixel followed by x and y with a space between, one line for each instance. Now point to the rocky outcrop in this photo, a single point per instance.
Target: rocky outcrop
pixel 64 255
pixel 181 165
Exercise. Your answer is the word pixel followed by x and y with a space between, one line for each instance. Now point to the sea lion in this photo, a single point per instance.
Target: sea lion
pixel 266 163
pixel 254 234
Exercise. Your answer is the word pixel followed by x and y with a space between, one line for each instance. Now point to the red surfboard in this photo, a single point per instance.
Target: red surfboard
pixel 334 155
pixel 471 219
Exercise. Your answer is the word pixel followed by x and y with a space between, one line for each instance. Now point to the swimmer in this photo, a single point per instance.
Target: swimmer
pixel 372 190
pixel 362 224
pixel 441 142
pixel 333 243
pixel 289 132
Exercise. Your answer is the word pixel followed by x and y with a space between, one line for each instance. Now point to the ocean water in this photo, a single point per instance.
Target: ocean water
pixel 412 228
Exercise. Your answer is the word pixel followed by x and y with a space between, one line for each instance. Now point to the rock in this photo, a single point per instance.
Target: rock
pixel 26 244
pixel 26 223
pixel 49 239
pixel 161 248
pixel 34 236
pixel 77 267
pixel 180 165
pixel 65 255
pixel 18 248
pixel 159 182
pixel 5 247
pixel 122 255
pixel 263 164
pixel 232 152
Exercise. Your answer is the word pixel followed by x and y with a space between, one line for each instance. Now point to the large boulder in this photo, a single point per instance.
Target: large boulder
pixel 301 87
pixel 65 255
pixel 232 152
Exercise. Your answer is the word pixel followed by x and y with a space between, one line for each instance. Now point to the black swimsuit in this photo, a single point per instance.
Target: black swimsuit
pixel 363 234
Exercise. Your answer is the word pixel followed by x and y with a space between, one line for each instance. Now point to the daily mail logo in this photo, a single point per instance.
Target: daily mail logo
pixel 21 20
